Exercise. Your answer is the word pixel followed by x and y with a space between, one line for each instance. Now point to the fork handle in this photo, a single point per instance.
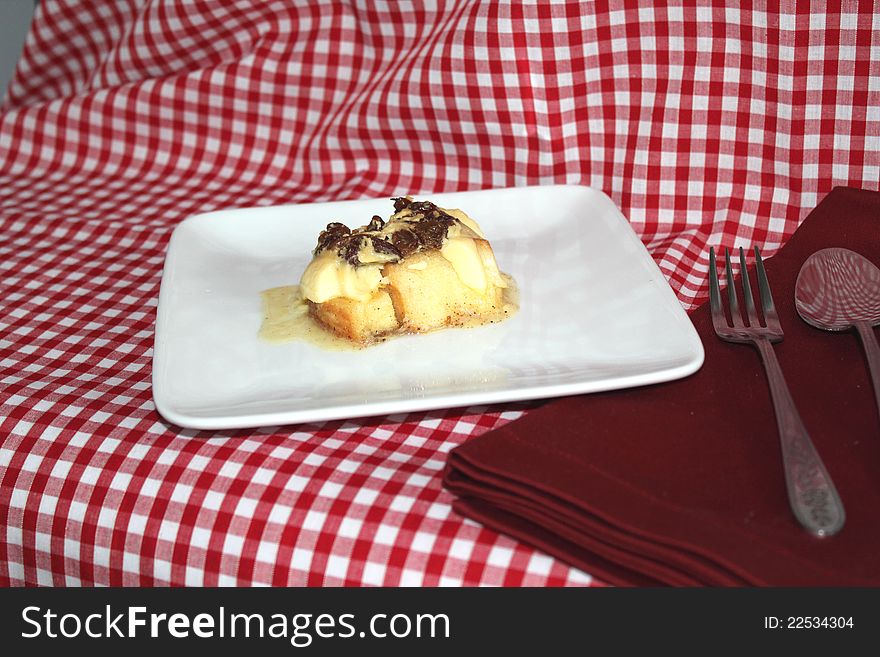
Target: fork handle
pixel 811 493
pixel 872 354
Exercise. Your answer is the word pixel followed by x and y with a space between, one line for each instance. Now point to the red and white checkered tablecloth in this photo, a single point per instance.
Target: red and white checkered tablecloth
pixel 706 124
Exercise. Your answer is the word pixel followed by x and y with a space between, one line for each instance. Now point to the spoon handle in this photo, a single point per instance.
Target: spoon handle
pixel 811 493
pixel 872 354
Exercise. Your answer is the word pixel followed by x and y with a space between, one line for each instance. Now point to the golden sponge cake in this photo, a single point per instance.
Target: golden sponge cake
pixel 433 296
pixel 359 321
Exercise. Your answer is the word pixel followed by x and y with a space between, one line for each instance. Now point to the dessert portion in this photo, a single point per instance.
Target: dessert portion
pixel 425 268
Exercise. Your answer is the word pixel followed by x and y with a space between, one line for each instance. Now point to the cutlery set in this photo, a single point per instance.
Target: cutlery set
pixel 837 289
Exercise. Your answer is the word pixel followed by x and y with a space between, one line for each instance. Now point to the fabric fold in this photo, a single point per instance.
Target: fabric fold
pixel 682 483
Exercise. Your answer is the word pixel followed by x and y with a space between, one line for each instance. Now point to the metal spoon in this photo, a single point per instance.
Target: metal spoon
pixel 838 289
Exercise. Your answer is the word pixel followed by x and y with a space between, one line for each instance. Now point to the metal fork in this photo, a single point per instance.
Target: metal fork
pixel 811 493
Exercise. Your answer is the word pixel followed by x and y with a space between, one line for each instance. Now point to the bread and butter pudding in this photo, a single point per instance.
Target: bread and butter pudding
pixel 423 269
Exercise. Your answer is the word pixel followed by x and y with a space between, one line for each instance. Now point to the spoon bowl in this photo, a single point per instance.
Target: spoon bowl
pixel 838 289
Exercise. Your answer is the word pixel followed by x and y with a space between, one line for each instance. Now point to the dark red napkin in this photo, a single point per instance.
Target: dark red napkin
pixel 681 483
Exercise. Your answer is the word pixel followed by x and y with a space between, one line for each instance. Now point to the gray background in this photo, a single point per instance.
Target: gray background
pixel 15 18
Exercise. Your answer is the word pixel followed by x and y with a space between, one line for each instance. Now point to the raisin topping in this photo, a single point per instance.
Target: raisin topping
pixel 401 203
pixel 382 247
pixel 331 236
pixel 350 249
pixel 430 211
pixel 430 232
pixel 405 241
pixel 426 228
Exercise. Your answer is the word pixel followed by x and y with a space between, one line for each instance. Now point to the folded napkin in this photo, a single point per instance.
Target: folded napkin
pixel 681 483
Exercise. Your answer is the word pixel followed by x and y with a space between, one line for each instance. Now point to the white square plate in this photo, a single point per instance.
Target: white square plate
pixel 595 314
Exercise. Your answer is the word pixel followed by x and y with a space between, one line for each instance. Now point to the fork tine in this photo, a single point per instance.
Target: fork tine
pixel 767 304
pixel 718 319
pixel 732 300
pixel 714 291
pixel 747 290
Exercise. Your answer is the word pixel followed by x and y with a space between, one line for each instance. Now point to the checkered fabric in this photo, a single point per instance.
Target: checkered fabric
pixel 705 123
